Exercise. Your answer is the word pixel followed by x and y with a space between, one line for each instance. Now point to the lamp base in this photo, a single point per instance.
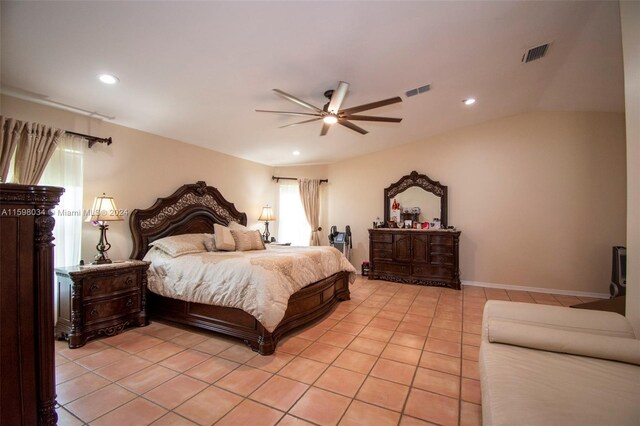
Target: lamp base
pixel 266 234
pixel 103 246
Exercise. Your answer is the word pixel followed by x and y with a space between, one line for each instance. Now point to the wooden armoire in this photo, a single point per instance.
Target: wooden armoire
pixel 27 388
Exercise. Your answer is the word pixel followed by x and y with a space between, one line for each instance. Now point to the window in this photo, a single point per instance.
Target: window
pixel 292 222
pixel 65 169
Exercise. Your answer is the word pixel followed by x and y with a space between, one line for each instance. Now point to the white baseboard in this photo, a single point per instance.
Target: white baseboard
pixel 537 289
pixel 531 289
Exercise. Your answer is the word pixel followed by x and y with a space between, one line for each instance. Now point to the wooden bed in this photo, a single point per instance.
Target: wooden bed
pixel 195 208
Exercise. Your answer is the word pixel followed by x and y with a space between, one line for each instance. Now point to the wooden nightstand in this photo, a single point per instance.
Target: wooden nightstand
pixel 100 299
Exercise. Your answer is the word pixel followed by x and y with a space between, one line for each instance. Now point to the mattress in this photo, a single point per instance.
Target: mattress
pixel 259 282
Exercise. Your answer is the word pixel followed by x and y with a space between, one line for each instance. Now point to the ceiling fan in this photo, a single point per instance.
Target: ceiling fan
pixel 331 112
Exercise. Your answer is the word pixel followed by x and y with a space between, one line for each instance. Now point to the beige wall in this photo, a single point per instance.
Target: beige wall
pixel 140 167
pixel 630 15
pixel 540 198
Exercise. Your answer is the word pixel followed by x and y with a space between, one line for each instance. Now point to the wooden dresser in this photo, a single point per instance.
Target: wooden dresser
pixel 27 388
pixel 100 299
pixel 415 256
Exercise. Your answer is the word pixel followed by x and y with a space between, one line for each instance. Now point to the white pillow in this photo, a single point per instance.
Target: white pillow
pixel 223 238
pixel 247 240
pixel 177 245
pixel 237 226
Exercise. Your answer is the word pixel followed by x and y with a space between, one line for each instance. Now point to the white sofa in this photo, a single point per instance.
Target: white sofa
pixel 550 365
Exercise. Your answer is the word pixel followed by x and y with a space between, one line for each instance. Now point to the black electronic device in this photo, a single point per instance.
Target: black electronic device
pixel 618 286
pixel 341 240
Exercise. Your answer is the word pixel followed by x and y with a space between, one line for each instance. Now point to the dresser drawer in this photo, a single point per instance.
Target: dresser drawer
pixel 442 259
pixel 383 237
pixel 441 249
pixel 382 250
pixel 442 239
pixel 392 267
pixel 112 308
pixel 101 286
pixel 440 271
pixel 382 254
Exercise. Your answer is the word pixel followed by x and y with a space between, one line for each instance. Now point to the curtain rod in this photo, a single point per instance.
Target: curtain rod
pixel 279 178
pixel 91 139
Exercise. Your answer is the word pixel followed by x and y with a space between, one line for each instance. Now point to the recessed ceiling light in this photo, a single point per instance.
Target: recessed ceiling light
pixel 330 119
pixel 469 101
pixel 108 78
pixel 296 152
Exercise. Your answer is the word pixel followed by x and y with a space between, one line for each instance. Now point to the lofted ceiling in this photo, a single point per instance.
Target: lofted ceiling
pixel 196 71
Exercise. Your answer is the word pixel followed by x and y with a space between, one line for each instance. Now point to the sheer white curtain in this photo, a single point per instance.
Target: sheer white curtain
pixel 292 222
pixel 65 169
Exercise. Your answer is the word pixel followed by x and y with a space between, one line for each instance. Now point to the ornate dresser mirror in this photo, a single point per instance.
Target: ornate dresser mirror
pixel 416 190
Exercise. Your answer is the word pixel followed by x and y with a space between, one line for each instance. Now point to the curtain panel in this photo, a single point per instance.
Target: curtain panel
pixel 310 197
pixel 35 147
pixel 10 133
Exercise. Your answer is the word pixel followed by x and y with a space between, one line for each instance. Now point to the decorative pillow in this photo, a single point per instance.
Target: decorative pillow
pixel 210 243
pixel 237 227
pixel 247 240
pixel 177 245
pixel 223 238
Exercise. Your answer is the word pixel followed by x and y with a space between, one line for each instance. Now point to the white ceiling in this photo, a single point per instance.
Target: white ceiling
pixel 195 71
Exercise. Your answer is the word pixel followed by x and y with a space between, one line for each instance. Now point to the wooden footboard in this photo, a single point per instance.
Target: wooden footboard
pixel 305 306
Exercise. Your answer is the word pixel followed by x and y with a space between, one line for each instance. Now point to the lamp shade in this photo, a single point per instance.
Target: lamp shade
pixel 267 215
pixel 104 209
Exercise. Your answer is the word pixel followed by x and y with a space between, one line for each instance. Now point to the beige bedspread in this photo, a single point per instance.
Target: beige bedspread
pixel 259 282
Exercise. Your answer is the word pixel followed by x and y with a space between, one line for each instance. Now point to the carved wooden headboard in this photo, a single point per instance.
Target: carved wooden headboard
pixel 192 209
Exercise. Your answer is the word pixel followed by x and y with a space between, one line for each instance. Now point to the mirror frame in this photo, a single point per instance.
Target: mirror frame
pixel 422 181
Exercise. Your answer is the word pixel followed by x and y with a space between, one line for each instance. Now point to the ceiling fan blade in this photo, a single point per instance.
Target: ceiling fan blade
pixel 372 105
pixel 352 126
pixel 325 128
pixel 303 114
pixel 296 100
pixel 301 122
pixel 373 118
pixel 338 97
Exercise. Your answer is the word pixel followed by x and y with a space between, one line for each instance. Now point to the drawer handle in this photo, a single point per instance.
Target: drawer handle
pixel 129 303
pixel 129 281
pixel 94 287
pixel 94 312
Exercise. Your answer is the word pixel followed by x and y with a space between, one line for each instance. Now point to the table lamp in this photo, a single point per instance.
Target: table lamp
pixel 103 210
pixel 266 217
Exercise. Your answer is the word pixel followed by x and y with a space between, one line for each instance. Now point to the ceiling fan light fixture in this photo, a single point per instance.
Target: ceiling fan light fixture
pixel 333 113
pixel 469 101
pixel 330 119
pixel 108 78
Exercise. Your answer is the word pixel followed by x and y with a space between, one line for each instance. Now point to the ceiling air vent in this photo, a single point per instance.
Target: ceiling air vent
pixel 418 90
pixel 535 53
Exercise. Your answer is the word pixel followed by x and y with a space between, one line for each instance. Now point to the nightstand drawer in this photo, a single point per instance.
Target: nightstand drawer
pixel 112 308
pixel 101 286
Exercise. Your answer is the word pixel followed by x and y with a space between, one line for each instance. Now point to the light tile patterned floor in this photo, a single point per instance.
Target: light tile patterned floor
pixel 395 354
